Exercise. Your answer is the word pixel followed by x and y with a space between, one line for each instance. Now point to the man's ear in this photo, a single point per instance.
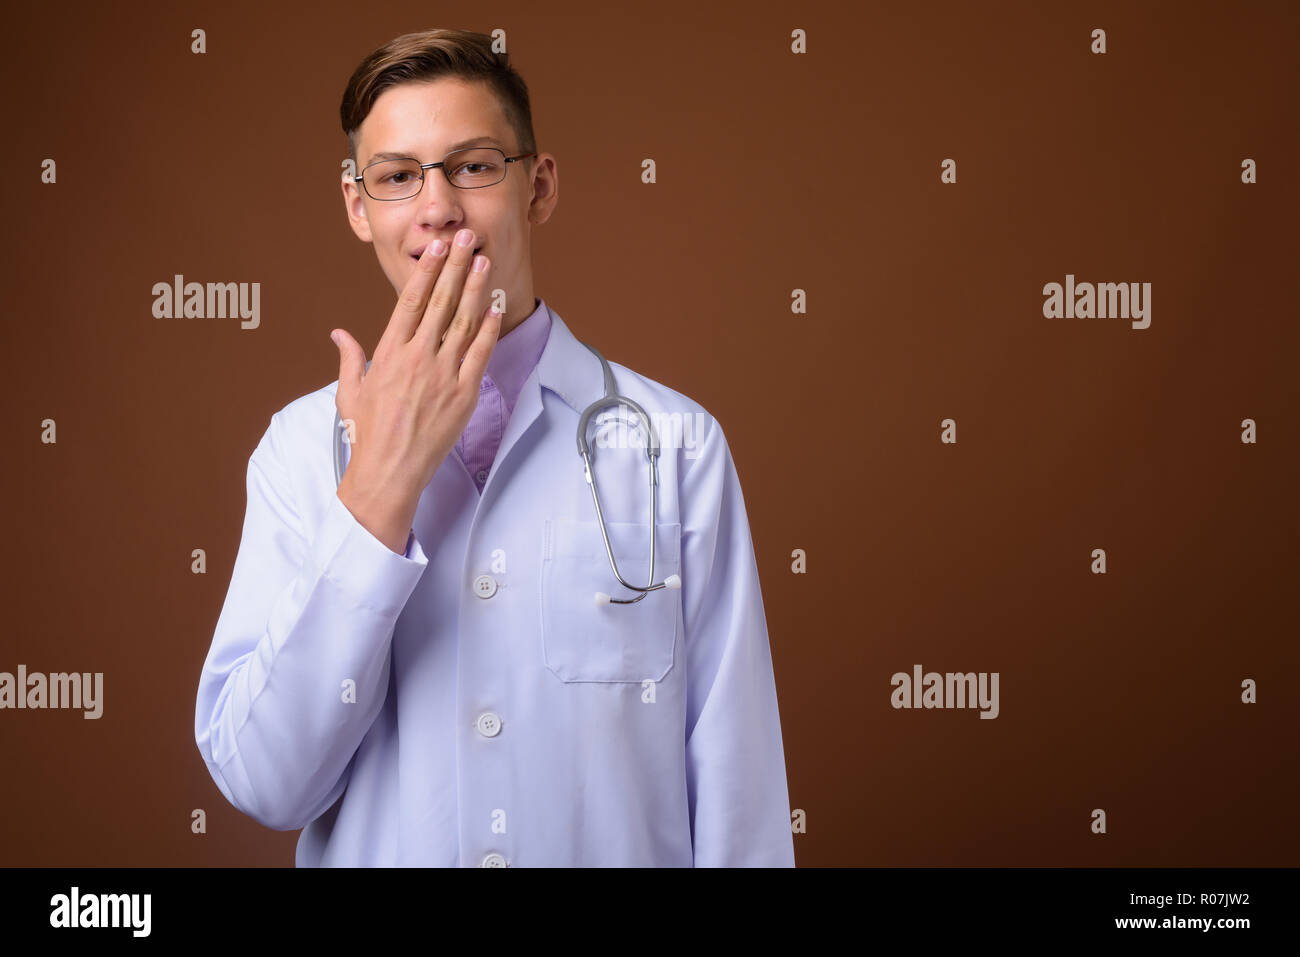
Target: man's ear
pixel 545 187
pixel 355 205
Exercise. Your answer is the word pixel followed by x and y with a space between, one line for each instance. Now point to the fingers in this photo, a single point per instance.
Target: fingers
pixel 457 289
pixel 352 366
pixel 469 311
pixel 414 299
pixel 480 349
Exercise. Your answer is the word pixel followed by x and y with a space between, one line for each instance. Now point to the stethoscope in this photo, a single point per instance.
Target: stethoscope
pixel 610 398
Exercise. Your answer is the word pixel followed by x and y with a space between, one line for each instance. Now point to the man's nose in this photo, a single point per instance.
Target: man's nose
pixel 437 189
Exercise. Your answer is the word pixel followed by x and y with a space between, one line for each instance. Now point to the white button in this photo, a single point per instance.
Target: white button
pixel 482 476
pixel 485 586
pixel 493 860
pixel 489 725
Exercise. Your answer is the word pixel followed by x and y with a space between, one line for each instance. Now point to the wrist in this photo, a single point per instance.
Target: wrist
pixel 388 517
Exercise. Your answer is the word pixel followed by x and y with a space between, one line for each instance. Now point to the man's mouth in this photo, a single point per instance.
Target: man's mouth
pixel 477 249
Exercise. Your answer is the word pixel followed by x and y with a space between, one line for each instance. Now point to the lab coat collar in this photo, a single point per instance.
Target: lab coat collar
pixel 567 368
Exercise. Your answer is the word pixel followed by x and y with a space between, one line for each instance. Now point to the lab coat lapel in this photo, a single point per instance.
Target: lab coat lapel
pixel 567 368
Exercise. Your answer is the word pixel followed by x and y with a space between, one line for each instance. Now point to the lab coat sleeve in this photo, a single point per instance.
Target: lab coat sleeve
pixel 308 617
pixel 735 759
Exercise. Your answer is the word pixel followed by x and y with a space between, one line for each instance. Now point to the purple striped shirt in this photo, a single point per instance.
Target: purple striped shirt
pixel 514 357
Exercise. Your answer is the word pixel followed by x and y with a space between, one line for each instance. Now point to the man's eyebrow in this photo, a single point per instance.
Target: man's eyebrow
pixel 473 141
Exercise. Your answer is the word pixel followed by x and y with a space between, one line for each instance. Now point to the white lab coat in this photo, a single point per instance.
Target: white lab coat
pixel 469 703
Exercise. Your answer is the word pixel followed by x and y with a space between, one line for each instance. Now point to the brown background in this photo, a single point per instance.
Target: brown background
pixel 1119 691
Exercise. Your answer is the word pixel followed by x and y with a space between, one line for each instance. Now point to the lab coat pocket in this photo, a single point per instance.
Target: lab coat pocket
pixel 584 641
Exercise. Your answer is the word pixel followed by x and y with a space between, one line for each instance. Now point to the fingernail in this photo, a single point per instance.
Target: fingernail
pixel 439 247
pixel 334 338
pixel 464 237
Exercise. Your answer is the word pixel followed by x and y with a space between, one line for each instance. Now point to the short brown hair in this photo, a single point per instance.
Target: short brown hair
pixel 429 55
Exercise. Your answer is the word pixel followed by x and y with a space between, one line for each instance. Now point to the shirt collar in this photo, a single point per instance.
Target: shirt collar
pixel 517 352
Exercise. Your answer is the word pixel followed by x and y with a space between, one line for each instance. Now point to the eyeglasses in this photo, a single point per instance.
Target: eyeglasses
pixel 472 168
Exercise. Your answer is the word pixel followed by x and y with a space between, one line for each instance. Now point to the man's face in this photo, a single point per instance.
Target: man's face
pixel 426 120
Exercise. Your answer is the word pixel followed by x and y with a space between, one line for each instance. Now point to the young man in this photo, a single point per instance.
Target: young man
pixel 413 665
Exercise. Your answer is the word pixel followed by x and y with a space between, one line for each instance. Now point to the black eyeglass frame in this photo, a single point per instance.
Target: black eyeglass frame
pixel 442 165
